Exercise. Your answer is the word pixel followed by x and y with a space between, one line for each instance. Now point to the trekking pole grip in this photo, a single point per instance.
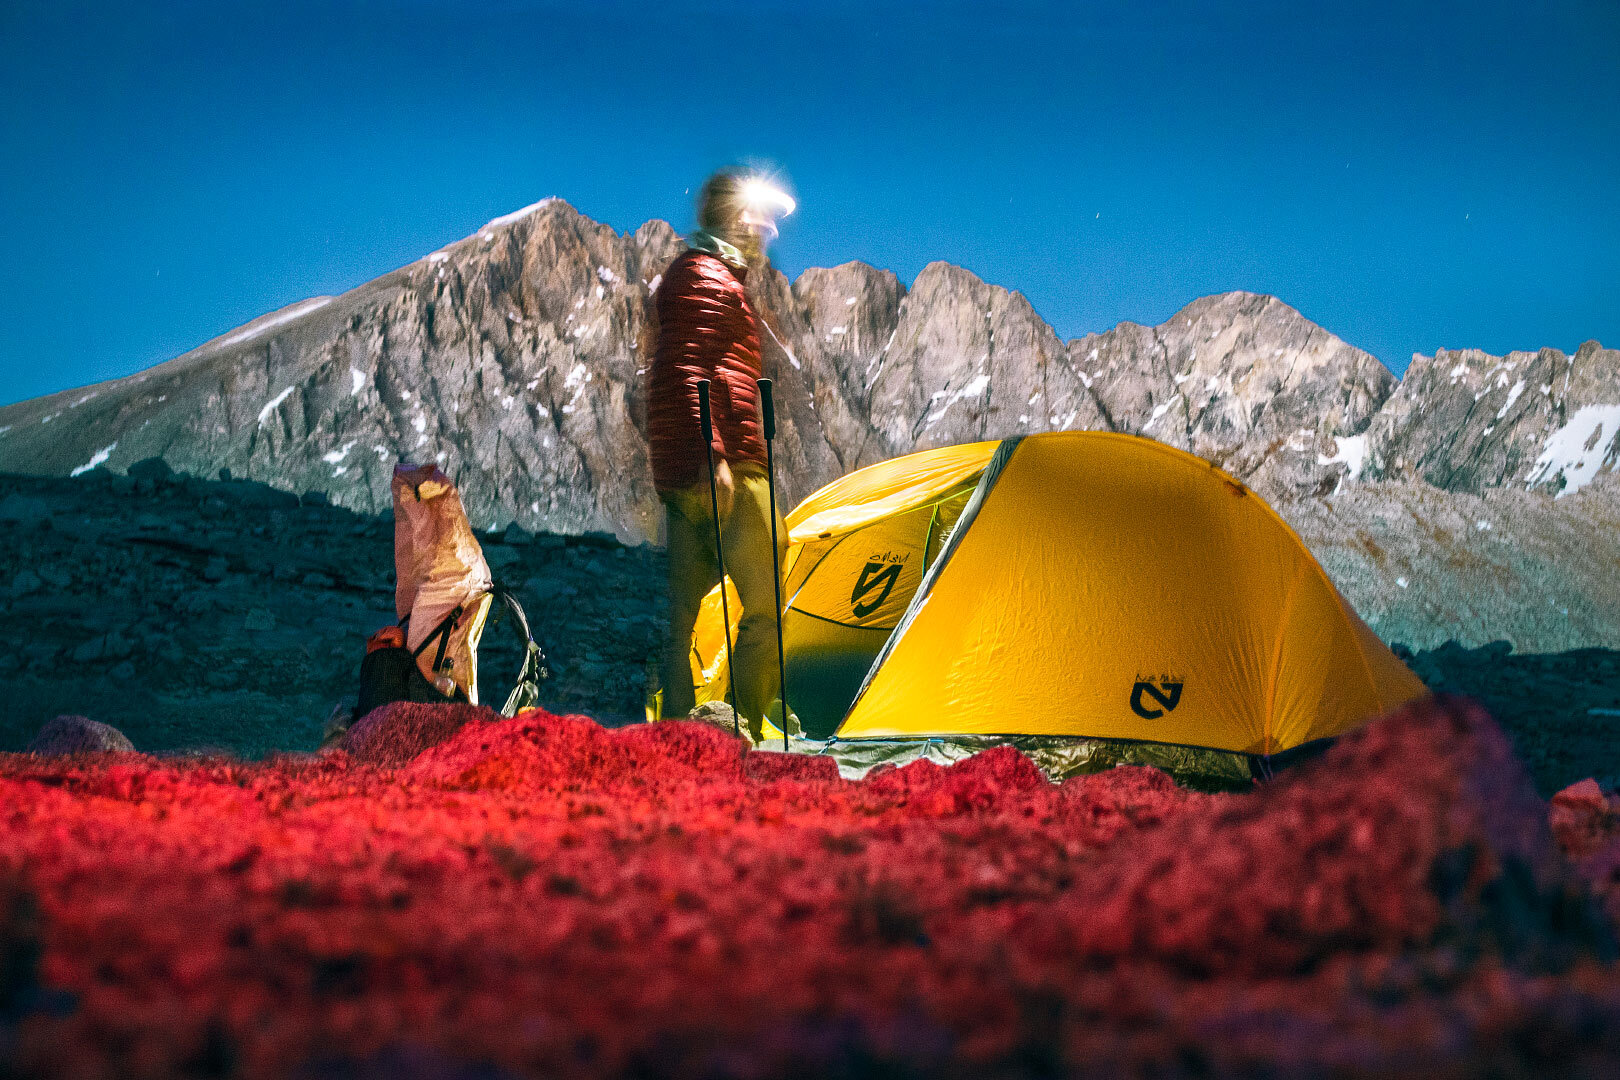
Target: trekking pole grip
pixel 703 411
pixel 767 408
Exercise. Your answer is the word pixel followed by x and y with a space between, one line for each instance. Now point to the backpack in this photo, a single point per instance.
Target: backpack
pixel 440 574
pixel 393 672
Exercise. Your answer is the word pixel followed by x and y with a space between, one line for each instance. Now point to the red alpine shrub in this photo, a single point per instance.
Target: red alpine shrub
pixel 776 765
pixel 1587 824
pixel 1584 819
pixel 458 895
pixel 395 733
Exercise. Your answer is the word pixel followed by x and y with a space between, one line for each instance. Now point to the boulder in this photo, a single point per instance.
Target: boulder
pixel 716 714
pixel 79 735
pixel 154 469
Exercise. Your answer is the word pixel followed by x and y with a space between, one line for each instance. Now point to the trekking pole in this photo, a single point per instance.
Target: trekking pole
pixel 719 552
pixel 768 413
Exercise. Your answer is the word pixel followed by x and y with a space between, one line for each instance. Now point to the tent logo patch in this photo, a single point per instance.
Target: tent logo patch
pixel 877 577
pixel 1164 692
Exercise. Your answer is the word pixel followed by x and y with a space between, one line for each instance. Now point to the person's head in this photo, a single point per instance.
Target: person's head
pixel 742 207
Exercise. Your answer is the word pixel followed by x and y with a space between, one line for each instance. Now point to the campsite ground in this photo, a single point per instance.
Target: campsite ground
pixel 446 897
pixel 192 613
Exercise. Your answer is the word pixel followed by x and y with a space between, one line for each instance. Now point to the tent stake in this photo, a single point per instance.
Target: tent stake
pixel 768 413
pixel 719 550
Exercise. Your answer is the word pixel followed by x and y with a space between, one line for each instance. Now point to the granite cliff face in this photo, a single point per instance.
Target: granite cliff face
pixel 1468 421
pixel 515 359
pixel 509 357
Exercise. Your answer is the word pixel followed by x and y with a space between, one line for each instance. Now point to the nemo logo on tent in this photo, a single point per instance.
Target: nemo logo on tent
pixel 1167 695
pixel 878 576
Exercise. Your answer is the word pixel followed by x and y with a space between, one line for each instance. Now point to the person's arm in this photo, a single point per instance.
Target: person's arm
pixel 725 487
pixel 692 345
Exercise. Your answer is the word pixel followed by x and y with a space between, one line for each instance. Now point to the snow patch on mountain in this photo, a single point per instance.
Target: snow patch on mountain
pixel 1351 451
pixel 1513 395
pixel 97 458
pixel 1580 450
pixel 273 404
pixel 516 215
pixel 270 322
pixel 335 457
pixel 974 387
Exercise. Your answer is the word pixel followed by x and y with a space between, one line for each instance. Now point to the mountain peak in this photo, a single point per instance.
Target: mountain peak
pixel 515 358
pixel 518 215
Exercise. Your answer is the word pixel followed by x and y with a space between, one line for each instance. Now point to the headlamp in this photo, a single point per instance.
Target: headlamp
pixel 763 204
pixel 766 199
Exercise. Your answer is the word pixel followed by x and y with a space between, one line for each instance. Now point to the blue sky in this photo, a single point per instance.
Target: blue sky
pixel 1409 175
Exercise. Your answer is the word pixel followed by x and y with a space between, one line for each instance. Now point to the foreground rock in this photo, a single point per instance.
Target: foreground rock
pixel 79 735
pixel 394 734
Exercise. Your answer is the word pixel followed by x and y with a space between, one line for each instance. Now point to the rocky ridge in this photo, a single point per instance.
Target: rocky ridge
pixel 1469 421
pixel 515 359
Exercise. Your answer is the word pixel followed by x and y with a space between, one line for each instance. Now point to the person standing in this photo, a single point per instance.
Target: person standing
pixel 707 329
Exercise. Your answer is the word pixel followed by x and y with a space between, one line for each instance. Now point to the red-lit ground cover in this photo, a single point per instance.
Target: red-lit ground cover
pixel 546 897
pixel 1587 824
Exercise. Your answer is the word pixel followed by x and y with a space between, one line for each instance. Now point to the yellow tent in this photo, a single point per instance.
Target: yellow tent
pixel 1064 586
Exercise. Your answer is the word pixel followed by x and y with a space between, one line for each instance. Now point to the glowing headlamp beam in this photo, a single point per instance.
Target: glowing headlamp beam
pixel 766 199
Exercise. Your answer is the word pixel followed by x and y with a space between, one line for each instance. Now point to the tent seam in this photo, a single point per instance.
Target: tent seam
pixel 1276 659
pixel 835 622
pixel 812 571
pixel 987 481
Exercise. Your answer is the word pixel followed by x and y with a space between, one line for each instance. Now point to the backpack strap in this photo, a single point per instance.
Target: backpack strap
pixel 535 668
pixel 442 633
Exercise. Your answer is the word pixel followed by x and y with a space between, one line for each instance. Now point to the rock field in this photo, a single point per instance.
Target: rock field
pixel 195 613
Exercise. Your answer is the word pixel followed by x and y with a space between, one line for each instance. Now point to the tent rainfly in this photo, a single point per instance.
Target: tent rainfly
pixel 1091 597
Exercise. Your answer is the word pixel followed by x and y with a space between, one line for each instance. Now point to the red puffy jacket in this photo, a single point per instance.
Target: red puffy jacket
pixel 706 330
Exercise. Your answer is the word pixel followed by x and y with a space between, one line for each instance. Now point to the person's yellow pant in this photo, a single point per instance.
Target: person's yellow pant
pixel 693 571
